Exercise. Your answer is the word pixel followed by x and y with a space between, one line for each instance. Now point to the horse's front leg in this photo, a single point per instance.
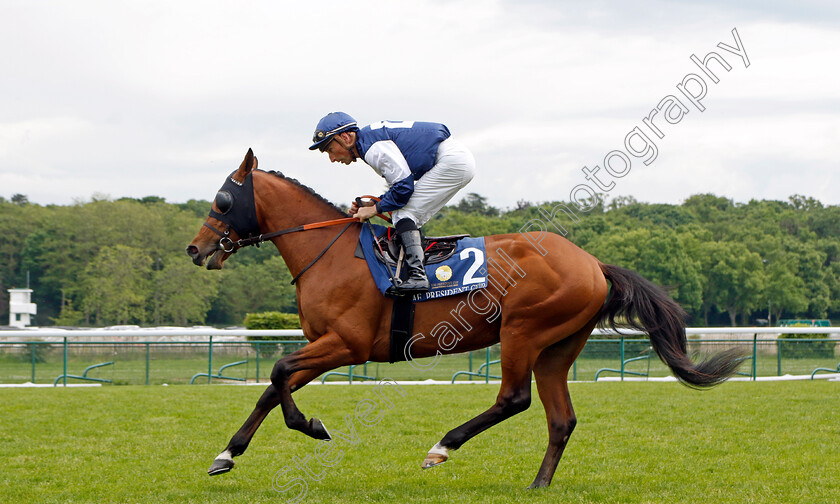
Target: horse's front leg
pixel 295 419
pixel 239 442
pixel 327 352
pixel 289 374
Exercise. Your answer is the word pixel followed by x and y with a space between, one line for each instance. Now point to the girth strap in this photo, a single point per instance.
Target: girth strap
pixel 402 325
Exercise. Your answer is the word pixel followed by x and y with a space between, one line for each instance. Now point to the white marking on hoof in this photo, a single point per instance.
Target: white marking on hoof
pixel 221 464
pixel 437 449
pixel 437 455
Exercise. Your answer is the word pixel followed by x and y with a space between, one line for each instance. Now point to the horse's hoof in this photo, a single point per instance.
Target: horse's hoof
pixel 433 460
pixel 319 431
pixel 220 466
pixel 436 456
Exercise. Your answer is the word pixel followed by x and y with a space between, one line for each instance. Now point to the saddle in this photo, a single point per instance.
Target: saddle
pixel 452 275
pixel 437 248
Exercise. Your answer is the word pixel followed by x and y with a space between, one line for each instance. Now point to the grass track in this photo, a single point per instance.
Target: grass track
pixel 635 443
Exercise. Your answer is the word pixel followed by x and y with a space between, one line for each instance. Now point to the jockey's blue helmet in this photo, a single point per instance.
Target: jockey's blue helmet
pixel 329 126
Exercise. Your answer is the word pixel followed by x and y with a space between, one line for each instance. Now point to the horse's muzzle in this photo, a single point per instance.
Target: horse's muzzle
pixel 196 255
pixel 214 258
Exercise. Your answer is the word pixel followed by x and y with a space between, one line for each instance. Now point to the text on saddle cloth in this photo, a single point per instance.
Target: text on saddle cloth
pixel 463 271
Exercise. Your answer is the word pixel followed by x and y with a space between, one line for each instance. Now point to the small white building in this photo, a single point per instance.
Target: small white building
pixel 21 308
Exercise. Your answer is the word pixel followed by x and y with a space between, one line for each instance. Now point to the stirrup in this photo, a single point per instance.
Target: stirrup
pixel 400 289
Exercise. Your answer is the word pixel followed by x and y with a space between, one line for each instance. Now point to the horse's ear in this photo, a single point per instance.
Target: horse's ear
pixel 247 166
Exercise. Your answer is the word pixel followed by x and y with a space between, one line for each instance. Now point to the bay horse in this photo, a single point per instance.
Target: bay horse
pixel 550 295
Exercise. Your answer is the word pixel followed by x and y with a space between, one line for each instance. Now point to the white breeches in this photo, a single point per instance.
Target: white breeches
pixel 454 168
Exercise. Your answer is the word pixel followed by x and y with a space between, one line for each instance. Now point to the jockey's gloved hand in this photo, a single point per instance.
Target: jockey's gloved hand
pixel 360 203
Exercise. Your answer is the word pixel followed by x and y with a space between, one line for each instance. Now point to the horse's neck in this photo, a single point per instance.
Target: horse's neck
pixel 282 204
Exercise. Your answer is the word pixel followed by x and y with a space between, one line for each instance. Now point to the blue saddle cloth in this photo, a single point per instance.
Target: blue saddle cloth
pixel 464 271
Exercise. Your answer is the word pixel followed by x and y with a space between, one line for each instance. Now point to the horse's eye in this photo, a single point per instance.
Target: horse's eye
pixel 224 202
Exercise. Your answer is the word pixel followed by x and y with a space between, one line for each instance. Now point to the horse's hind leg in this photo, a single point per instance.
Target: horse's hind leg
pixel 514 397
pixel 551 372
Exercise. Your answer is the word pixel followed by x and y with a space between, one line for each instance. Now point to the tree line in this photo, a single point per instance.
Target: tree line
pixel 108 262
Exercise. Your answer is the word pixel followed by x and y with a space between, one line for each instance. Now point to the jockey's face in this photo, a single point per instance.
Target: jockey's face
pixel 341 148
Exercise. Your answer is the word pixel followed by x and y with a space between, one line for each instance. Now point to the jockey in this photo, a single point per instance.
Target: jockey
pixel 422 165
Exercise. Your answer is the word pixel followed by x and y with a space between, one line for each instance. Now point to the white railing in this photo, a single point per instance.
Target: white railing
pixel 209 331
pixel 143 333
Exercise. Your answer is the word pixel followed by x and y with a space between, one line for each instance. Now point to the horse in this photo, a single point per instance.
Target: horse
pixel 547 296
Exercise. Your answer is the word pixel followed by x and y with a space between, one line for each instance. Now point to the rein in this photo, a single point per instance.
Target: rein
pixel 325 248
pixel 226 242
pixel 230 246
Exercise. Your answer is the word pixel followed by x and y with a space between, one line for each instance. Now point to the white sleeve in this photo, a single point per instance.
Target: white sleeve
pixel 387 160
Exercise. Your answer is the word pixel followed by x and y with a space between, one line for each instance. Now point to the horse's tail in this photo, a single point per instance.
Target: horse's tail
pixel 640 304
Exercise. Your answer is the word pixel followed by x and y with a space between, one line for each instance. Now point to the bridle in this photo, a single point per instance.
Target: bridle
pixel 226 244
pixel 256 240
pixel 225 199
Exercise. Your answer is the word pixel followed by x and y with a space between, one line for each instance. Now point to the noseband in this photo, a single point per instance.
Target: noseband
pixel 225 241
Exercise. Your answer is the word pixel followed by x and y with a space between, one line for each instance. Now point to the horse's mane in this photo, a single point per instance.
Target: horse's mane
pixel 310 191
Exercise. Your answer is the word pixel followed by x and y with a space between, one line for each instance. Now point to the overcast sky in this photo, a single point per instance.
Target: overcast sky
pixel 115 98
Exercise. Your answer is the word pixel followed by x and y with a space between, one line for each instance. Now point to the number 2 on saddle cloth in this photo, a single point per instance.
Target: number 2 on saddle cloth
pixel 456 264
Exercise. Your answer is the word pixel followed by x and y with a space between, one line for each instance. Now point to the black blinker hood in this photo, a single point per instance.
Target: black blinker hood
pixel 242 216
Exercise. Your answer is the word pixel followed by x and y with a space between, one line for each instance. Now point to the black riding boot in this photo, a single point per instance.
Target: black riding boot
pixel 411 242
pixel 417 280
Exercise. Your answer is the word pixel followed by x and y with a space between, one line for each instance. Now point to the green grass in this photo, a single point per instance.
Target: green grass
pixel 742 442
